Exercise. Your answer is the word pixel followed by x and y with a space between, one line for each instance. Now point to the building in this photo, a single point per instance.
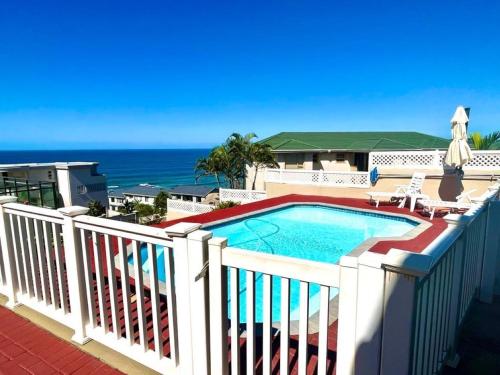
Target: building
pixel 344 151
pixel 54 184
pixel 140 193
pixel 195 193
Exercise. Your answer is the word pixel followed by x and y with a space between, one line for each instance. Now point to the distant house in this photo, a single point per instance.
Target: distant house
pixel 344 151
pixel 141 193
pixel 54 185
pixel 196 193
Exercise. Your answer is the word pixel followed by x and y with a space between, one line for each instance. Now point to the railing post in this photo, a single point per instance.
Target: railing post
pixel 218 308
pixel 369 313
pixel 7 249
pixel 182 277
pixel 198 258
pixel 348 296
pixel 75 272
pixel 402 270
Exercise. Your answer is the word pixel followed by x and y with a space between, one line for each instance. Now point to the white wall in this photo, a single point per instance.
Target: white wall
pixel 70 178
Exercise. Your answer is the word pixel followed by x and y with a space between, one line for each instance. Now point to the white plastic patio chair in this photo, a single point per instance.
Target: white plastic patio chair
pixel 413 190
pixel 464 202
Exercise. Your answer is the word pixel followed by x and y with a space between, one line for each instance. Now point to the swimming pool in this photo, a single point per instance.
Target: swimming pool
pixel 313 232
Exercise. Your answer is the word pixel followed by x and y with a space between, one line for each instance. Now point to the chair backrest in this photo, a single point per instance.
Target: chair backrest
pixel 416 183
pixel 465 197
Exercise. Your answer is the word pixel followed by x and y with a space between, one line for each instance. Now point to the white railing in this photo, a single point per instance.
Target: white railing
pixel 88 274
pixel 188 206
pixel 267 273
pixel 482 160
pixel 319 178
pixel 398 313
pixel 241 196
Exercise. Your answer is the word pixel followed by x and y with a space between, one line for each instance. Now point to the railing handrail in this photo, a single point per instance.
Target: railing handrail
pixel 316 171
pixel 34 212
pixel 242 190
pixel 278 265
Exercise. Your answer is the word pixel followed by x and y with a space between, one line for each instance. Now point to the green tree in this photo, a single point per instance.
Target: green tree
pixel 96 208
pixel 143 209
pixel 261 156
pixel 226 204
pixel 486 142
pixel 160 203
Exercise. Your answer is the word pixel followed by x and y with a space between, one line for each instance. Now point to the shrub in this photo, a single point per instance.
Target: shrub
pixel 226 204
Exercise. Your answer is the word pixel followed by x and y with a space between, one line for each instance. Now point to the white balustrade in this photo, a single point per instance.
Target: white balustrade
pixel 188 206
pixel 319 177
pixel 241 196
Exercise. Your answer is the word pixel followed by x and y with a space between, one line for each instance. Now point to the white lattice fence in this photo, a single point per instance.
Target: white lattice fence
pixel 241 196
pixel 188 206
pixel 322 178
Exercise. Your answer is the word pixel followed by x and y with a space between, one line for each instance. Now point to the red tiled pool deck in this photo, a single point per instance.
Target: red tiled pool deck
pixel 28 349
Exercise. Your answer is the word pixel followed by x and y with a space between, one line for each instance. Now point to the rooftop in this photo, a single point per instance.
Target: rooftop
pixel 7 167
pixel 192 190
pixel 355 141
pixel 142 190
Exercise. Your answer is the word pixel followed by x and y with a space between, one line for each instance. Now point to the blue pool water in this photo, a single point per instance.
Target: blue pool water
pixel 312 232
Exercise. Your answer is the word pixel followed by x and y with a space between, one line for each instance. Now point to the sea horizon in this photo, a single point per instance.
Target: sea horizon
pixel 125 167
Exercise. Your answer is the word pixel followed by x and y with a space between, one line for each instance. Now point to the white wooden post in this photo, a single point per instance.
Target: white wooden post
pixel 402 270
pixel 198 256
pixel 182 275
pixel 75 272
pixel 9 259
pixel 218 308
pixel 369 313
pixel 348 296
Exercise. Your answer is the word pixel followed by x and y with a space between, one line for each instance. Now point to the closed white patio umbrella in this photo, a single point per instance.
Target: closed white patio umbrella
pixel 459 152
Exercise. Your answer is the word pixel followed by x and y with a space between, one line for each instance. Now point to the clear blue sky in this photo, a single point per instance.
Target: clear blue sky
pixel 147 74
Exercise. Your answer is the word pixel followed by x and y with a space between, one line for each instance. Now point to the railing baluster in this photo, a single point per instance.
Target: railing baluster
pixel 61 277
pixel 171 304
pixel 89 277
pixel 250 283
pixel 35 272
pixel 285 326
pixel 125 286
pixel 101 291
pixel 15 231
pixel 48 241
pixel 42 265
pixel 324 313
pixel 155 299
pixel 267 297
pixel 139 294
pixel 110 260
pixel 235 321
pixel 25 257
pixel 303 326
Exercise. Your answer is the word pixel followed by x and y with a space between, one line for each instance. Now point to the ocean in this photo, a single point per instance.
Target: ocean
pixel 125 168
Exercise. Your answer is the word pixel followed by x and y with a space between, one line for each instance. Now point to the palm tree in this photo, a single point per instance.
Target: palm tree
pixel 160 203
pixel 212 165
pixel 127 207
pixel 260 156
pixel 486 142
pixel 96 208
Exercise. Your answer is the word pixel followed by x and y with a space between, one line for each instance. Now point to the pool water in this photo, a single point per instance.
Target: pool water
pixel 312 232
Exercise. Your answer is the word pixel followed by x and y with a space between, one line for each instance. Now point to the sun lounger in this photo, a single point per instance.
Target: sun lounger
pixel 413 190
pixel 464 202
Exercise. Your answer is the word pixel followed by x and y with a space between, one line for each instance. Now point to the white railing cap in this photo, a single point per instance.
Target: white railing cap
pixel 200 235
pixel 408 263
pixel 7 199
pixel 457 219
pixel 181 229
pixel 73 211
pixel 218 241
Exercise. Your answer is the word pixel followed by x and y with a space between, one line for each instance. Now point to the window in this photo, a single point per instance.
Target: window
pixel 112 199
pixel 49 175
pixel 81 189
pixel 339 156
pixel 294 161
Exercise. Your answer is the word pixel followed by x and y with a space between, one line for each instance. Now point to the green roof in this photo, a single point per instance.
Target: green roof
pixel 355 141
